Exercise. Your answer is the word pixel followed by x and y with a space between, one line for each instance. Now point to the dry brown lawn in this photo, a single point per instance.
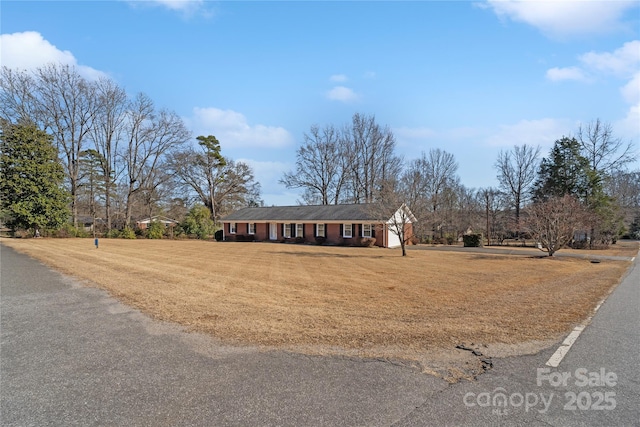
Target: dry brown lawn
pixel 366 300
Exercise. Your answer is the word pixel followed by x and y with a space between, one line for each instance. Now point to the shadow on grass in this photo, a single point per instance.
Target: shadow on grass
pixel 330 255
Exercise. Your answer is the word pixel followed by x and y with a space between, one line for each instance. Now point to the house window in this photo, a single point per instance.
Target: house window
pixel 347 231
pixel 232 228
pixel 366 230
pixel 252 228
pixel 287 231
pixel 320 230
pixel 299 230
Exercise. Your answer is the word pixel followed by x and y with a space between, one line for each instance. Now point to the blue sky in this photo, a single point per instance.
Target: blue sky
pixel 471 78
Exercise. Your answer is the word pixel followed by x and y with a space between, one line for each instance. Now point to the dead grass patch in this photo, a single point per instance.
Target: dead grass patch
pixel 365 301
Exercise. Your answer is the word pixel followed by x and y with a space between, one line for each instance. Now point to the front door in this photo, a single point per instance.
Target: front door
pixel 273 231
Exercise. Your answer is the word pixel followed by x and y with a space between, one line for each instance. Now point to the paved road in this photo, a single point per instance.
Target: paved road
pixel 596 384
pixel 71 355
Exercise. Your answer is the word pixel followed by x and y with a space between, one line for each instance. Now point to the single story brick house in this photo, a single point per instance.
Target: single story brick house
pixel 334 224
pixel 143 224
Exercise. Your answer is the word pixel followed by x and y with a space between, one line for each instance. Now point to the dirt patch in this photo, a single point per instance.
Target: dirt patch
pixel 364 302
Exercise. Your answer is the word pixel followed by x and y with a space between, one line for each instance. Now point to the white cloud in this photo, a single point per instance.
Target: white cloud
pixel 232 129
pixel 370 75
pixel 340 78
pixel 561 18
pixel 541 132
pixel 342 93
pixel 29 50
pixel 622 62
pixel 631 91
pixel 569 73
pixel 182 5
pixel 628 128
pixel 185 6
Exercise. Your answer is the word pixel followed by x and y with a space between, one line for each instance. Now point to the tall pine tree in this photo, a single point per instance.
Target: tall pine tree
pixel 566 171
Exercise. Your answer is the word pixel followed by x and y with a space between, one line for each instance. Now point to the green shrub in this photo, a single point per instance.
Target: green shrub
pixel 114 233
pixel 68 230
pixel 128 233
pixel 472 240
pixel 321 240
pixel 155 230
pixel 449 238
pixel 218 235
pixel 198 222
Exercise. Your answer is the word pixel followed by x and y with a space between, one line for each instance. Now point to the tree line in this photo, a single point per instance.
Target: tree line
pixel 122 157
pixel 357 163
pixel 101 153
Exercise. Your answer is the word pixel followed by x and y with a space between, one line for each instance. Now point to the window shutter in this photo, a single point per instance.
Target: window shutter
pixel 315 230
pixel 302 230
pixel 354 230
pixel 341 230
pixel 373 230
pixel 247 228
pixel 293 230
pixel 326 230
pixel 282 230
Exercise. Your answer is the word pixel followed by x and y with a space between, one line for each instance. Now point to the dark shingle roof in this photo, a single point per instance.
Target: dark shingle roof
pixel 358 212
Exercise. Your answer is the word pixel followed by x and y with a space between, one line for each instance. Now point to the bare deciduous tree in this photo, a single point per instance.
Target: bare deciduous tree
pixel 517 174
pixel 18 98
pixel 491 200
pixel 440 170
pixel 372 161
pixel 605 152
pixel 413 185
pixel 554 222
pixel 149 137
pixel 391 210
pixel 107 134
pixel 222 185
pixel 321 167
pixel 68 101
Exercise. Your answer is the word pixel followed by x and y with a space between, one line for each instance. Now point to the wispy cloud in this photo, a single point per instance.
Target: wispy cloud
pixel 631 91
pixel 541 132
pixel 622 62
pixel 628 127
pixel 185 7
pixel 562 18
pixel 342 94
pixel 338 78
pixel 568 73
pixel 29 50
pixel 233 130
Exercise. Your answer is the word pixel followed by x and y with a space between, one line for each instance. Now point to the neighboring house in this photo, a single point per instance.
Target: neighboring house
pixel 88 224
pixel 333 224
pixel 143 224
